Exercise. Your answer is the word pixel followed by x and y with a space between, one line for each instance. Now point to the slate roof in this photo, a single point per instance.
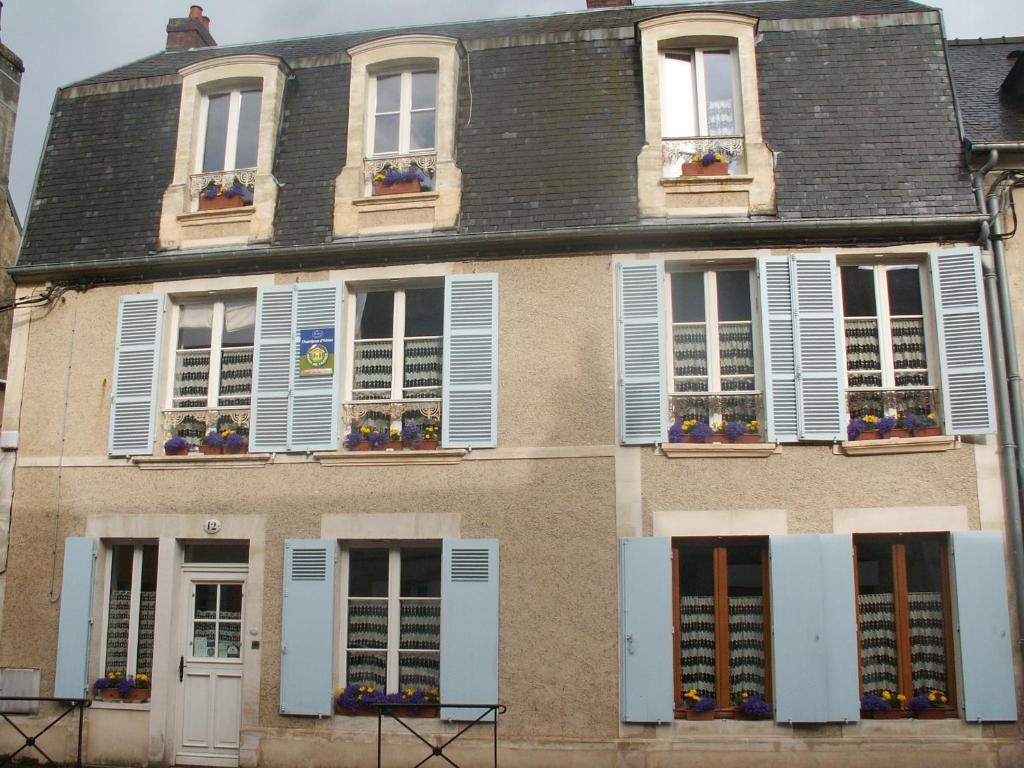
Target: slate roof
pixel 863 120
pixel 979 69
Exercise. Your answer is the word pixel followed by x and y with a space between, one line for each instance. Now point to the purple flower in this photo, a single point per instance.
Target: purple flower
pixel 755 706
pixel 675 432
pixel 176 444
pixel 705 704
pixel 412 435
pixel 919 702
pixel 213 438
pixel 377 439
pixel 708 159
pixel 211 191
pixel 124 685
pixel 872 702
pixel 235 440
pixel 701 431
pixel 885 425
pixel 394 177
pixel 734 429
pixel 352 439
pixel 101 684
pixel 910 421
pixel 855 429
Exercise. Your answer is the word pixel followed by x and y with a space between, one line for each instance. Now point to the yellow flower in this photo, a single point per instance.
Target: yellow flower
pixel 932 416
pixel 746 695
pixel 364 430
pixel 931 696
pixel 718 157
pixel 362 688
pixel 369 690
pixel 142 678
pixel 870 419
pixel 901 697
pixel 943 699
pixel 886 695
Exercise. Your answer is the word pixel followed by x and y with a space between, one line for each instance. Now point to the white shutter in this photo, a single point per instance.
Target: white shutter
pixel 821 365
pixel 470 400
pixel 272 368
pixel 963 341
pixel 313 407
pixel 136 371
pixel 779 350
pixel 643 398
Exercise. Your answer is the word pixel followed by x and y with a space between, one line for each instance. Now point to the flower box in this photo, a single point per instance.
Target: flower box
pixel 176 451
pixel 883 714
pixel 109 694
pixel 711 169
pixel 397 188
pixel 426 445
pixel 362 445
pixel 134 695
pixel 235 449
pixel 220 202
pixel 211 450
pixel 932 713
pixel 708 714
pixel 897 433
pixel 393 445
pixel 927 431
pixel 399 711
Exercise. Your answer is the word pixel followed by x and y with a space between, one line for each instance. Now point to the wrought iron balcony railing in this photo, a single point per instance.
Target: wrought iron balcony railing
pixel 387 414
pixel 679 149
pixel 194 423
pixel 891 402
pixel 197 182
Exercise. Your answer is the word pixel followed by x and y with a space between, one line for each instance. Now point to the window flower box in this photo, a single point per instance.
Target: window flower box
pixel 118 687
pixel 394 182
pixel 362 701
pixel 711 169
pixel 219 203
pixel 217 198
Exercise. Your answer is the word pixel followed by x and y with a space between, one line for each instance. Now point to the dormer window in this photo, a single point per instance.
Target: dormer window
pixel 404 112
pixel 231 138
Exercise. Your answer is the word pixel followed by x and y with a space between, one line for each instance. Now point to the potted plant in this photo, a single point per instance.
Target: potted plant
pixel 689 431
pixel 930 706
pixel 412 435
pixel 394 441
pixel 216 197
pixel 714 162
pixel 363 700
pixel 213 444
pixel 431 437
pixel 740 432
pixel 116 686
pixel 750 706
pixel 356 440
pixel 177 446
pixel 377 439
pixel 699 707
pixel 390 181
pixel 234 442
pixel 882 706
pixel 922 426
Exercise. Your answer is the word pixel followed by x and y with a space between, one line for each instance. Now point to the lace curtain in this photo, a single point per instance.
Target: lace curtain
pixel 879 653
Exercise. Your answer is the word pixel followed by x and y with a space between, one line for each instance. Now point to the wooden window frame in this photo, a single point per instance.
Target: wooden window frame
pixel 721 546
pixel 901 612
pixel 134 606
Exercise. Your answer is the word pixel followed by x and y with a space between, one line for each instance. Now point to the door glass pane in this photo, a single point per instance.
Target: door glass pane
pixel 204 639
pixel 745 575
pixel 697 619
pixel 878 652
pixel 721 101
pixel 424 90
pixel 229 640
pixel 926 609
pixel 231 601
pixel 216 132
pixel 248 129
pixel 119 608
pixel 147 611
pixel 206 601
pixel 678 96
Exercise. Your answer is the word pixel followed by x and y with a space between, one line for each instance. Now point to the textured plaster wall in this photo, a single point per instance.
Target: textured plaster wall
pixel 809 482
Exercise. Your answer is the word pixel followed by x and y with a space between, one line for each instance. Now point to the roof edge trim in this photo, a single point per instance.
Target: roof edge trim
pixel 389 41
pixel 923 18
pixel 216 62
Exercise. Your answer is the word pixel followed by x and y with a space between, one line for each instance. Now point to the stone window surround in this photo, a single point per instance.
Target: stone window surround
pixel 730 195
pixel 354 212
pixel 181 226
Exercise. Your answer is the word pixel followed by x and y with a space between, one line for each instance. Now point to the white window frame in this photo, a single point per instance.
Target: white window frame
pixel 131 661
pixel 231 140
pixel 699 85
pixel 711 327
pixel 884 319
pixel 405 111
pixel 216 350
pixel 394 598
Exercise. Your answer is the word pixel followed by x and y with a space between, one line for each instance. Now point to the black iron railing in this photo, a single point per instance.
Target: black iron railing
pixel 437 750
pixel 71 705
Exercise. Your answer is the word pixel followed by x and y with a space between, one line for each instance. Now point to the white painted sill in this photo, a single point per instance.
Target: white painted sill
pixel 390 458
pixel 719 450
pixel 201 461
pixel 891 445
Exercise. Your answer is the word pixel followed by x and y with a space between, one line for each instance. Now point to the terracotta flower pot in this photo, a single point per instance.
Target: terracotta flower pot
pixel 236 448
pixel 694 715
pixel 867 435
pixel 711 169
pixel 897 433
pixel 932 713
pixel 136 695
pixel 176 451
pixel 110 694
pixel 427 445
pixel 393 445
pixel 211 450
pixel 398 188
pixel 220 202
pixel 748 438
pixel 927 431
pixel 362 445
pixel 884 714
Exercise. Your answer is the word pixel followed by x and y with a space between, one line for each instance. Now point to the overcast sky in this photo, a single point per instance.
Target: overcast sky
pixel 62 41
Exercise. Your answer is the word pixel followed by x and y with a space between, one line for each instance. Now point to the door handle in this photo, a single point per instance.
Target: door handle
pixel 181 668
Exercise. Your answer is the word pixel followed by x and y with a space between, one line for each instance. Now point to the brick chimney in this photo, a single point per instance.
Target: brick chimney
pixel 193 31
pixel 609 3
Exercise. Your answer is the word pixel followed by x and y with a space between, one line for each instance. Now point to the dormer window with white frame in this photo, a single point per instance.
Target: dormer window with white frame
pixel 231 130
pixel 404 112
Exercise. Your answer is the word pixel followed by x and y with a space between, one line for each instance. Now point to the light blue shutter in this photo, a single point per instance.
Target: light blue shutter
pixel 136 370
pixel 470 405
pixel 780 398
pixel 71 680
pixel 963 341
pixel 272 368
pixel 307 627
pixel 820 355
pixel 643 398
pixel 469 625
pixel 814 628
pixel 983 622
pixel 646 645
pixel 313 408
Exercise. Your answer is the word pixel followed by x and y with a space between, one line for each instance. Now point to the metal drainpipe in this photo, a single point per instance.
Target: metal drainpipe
pixel 1007 414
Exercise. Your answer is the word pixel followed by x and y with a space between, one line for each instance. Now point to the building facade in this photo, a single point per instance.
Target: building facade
pixel 692 302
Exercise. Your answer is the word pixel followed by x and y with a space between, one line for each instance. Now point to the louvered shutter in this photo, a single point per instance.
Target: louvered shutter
pixel 814 628
pixel 963 341
pixel 983 623
pixel 136 370
pixel 307 627
pixel 643 406
pixel 470 404
pixel 313 407
pixel 646 645
pixel 820 355
pixel 272 368
pixel 469 626
pixel 71 679
pixel 779 350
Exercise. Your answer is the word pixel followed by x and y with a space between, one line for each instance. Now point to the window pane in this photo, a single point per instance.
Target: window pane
pixel 239 322
pixel 230 602
pixel 147 611
pixel 248 129
pixel 745 574
pixel 367 623
pixel 419 671
pixel 205 601
pixel 374 314
pixel 733 295
pixel 421 130
pixel 925 606
pixel 195 327
pixel 424 90
pixel 904 290
pixel 421 572
pixel 697 619
pixel 688 297
pixel 369 669
pixel 119 608
pixel 859 292
pixel 368 573
pixel 204 639
pixel 424 311
pixel 389 93
pixel 678 96
pixel 385 136
pixel 718 88
pixel 216 132
pixel 420 624
pixel 229 640
pixel 878 652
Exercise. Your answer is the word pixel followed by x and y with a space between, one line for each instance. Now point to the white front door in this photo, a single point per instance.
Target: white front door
pixel 210 669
